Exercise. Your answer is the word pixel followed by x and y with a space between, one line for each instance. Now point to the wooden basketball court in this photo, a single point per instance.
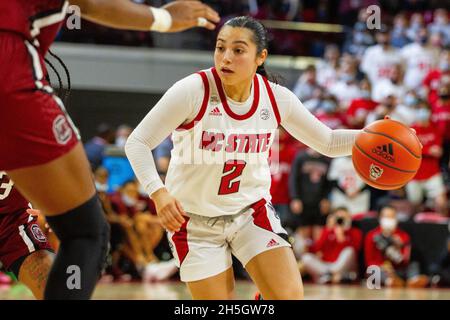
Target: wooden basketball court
pixel 244 290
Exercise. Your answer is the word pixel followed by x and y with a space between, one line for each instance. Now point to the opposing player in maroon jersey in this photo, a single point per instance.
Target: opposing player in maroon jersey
pixel 39 144
pixel 24 249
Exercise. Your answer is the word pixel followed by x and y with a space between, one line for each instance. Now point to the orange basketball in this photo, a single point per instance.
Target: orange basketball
pixel 386 154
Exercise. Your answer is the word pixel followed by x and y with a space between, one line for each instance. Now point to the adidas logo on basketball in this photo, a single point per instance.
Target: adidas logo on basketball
pixel 385 151
pixel 215 112
pixel 272 243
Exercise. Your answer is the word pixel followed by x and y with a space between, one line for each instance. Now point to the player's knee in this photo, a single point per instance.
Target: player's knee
pixel 85 222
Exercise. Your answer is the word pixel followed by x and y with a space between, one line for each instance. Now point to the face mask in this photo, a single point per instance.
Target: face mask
pixel 328 106
pixel 347 77
pixel 120 142
pixel 129 202
pixel 101 187
pixel 444 66
pixel 388 224
pixel 410 100
pixel 365 94
pixel 422 115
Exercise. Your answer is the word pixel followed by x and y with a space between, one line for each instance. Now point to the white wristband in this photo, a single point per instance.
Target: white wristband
pixel 162 20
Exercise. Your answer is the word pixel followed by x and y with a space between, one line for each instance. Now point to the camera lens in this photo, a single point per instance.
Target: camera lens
pixel 340 221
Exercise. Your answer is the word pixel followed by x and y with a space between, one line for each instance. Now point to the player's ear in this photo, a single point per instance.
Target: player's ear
pixel 262 57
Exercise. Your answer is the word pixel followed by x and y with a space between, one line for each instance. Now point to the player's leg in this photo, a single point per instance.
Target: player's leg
pixel 285 283
pixel 261 247
pixel 64 191
pixel 25 250
pixel 34 271
pixel 219 287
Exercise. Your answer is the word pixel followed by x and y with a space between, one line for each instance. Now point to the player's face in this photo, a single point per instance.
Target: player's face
pixel 236 58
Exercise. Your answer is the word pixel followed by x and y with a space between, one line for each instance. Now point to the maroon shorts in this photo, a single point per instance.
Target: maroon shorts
pixel 35 127
pixel 20 236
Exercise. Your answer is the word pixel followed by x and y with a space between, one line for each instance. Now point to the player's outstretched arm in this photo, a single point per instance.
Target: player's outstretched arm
pixel 124 14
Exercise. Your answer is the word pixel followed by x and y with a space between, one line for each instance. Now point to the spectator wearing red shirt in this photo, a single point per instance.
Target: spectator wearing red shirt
pixel 441 116
pixel 433 78
pixel 428 181
pixel 389 248
pixel 281 156
pixel 333 257
pixel 360 107
pixel 329 114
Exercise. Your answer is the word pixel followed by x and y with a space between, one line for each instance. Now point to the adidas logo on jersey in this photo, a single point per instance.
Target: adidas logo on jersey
pixel 215 112
pixel 272 243
pixel 385 151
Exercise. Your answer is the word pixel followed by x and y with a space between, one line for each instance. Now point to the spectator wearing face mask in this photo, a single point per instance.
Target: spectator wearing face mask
pixel 432 81
pixel 379 61
pixel 399 31
pixel 360 107
pixel 329 114
pixel 405 111
pixel 346 88
pixel 420 58
pixel 428 182
pixel 441 25
pixel 389 248
pixel 333 257
pixel 441 116
pixel 416 23
pixel 360 38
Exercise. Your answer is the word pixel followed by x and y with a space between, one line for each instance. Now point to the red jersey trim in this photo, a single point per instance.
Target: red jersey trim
pixel 272 100
pixel 223 98
pixel 202 111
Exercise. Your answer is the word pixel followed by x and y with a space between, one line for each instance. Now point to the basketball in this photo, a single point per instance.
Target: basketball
pixel 386 154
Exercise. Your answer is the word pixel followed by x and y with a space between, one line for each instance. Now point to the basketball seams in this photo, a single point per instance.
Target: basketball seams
pixel 393 139
pixel 382 163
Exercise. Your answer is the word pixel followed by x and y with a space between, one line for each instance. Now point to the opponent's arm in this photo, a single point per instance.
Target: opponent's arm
pixel 124 14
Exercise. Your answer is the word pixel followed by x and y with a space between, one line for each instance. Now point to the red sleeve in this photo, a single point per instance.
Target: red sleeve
pixel 428 78
pixel 319 244
pixel 370 250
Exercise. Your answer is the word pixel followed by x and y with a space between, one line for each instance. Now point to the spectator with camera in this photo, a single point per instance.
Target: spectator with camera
pixel 389 248
pixel 333 257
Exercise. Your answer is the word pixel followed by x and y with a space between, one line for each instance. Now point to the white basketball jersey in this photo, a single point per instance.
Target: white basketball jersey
pixel 219 163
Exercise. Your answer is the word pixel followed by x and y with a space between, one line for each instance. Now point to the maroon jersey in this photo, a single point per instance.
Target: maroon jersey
pixel 33 19
pixel 11 200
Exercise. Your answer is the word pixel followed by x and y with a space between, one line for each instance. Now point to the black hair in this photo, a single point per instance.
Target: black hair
pixel 260 38
pixel 341 208
pixel 383 206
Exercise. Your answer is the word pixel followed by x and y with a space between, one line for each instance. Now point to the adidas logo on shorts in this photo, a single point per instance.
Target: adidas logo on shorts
pixel 272 243
pixel 215 112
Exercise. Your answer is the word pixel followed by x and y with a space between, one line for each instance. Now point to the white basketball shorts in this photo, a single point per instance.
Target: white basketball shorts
pixel 204 245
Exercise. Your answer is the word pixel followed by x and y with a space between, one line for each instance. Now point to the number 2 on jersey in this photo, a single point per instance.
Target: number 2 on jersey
pixel 231 169
pixel 5 187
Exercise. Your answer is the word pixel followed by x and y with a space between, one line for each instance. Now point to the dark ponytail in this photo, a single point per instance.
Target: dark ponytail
pixel 260 38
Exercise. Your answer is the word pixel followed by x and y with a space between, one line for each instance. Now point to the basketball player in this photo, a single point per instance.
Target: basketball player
pixel 39 142
pixel 218 203
pixel 24 249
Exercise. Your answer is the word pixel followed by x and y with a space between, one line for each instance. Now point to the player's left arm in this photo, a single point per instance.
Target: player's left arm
pixel 305 127
pixel 125 14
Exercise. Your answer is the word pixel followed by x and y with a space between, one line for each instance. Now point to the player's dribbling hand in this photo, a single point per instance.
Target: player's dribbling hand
pixel 186 14
pixel 169 210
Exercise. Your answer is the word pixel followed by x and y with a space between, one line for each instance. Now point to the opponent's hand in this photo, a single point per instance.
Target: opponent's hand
pixel 169 210
pixel 189 14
